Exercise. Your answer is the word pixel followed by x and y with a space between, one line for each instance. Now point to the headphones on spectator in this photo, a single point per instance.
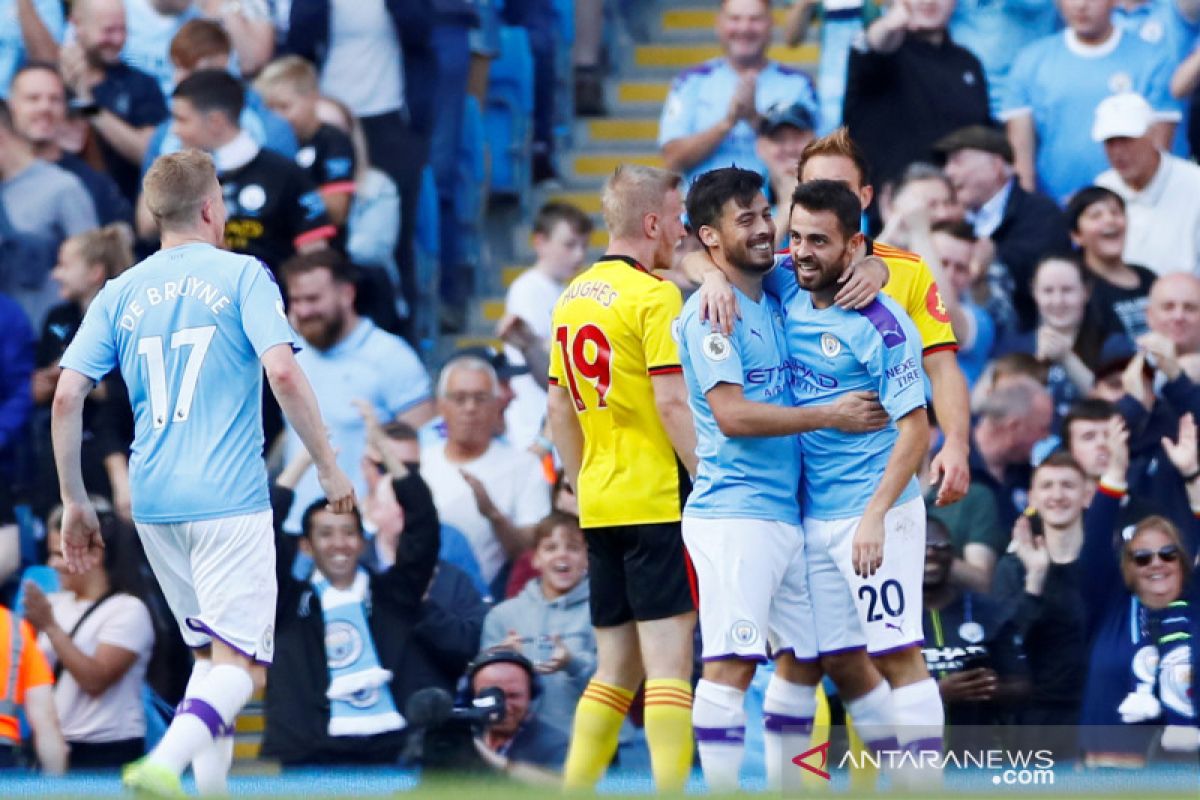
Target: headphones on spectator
pixel 503 656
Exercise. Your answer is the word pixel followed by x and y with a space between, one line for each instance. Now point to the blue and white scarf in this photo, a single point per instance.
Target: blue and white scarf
pixel 360 702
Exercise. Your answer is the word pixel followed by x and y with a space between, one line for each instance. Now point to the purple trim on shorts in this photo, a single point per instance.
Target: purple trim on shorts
pixel 776 723
pixel 897 648
pixel 738 656
pixel 199 627
pixel 201 710
pixel 928 744
pixel 841 650
pixel 775 654
pixel 721 735
pixel 888 744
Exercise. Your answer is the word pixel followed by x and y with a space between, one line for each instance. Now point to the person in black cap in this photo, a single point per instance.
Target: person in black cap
pixel 1023 226
pixel 783 132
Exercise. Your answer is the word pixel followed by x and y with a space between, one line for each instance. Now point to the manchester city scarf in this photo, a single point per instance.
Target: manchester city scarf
pixel 360 703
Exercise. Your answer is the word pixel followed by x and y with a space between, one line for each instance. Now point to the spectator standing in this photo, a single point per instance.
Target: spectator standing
pixel 560 242
pixel 908 85
pixel 1023 226
pixel 38 102
pixel 41 206
pixel 32 691
pixel 289 86
pixel 489 490
pixel 99 636
pixel 29 31
pixel 347 358
pixel 842 23
pixel 712 112
pixel 1040 586
pixel 1059 80
pixel 1161 191
pixel 274 211
pixel 85 263
pixel 377 57
pixel 201 44
pixel 123 103
pixel 1120 291
pixel 1087 434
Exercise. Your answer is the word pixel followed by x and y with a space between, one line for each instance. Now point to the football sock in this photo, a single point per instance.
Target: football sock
pixel 873 717
pixel 719 718
pixel 208 709
pixel 788 710
pixel 210 766
pixel 919 716
pixel 669 732
pixel 598 718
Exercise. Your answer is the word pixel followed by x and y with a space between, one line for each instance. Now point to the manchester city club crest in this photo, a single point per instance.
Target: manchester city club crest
pixel 343 644
pixel 716 347
pixel 830 345
pixel 971 632
pixel 744 632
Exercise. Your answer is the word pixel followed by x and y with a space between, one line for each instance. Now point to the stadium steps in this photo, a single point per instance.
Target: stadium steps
pixel 248 733
pixel 681 36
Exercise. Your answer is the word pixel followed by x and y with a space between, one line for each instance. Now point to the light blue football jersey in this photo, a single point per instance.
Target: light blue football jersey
pixel 747 476
pixel 834 351
pixel 187 327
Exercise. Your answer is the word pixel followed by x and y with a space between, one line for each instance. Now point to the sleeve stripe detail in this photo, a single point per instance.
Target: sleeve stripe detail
pixel 665 369
pixel 315 235
pixel 339 187
pixel 885 250
pixel 937 348
pixel 1110 491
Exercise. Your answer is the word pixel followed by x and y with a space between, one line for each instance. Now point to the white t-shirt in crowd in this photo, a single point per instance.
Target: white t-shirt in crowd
pixel 364 68
pixel 1164 218
pixel 531 297
pixel 123 621
pixel 513 479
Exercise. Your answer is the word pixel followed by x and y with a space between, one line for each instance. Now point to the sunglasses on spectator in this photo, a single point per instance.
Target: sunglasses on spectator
pixel 1143 558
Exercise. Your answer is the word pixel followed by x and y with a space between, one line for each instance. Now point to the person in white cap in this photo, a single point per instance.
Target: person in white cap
pixel 1161 191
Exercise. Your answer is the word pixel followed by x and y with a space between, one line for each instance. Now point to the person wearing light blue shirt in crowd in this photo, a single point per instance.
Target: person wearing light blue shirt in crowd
pixel 347 359
pixel 996 32
pixel 711 115
pixel 1057 82
pixel 201 44
pixel 17 46
pixel 754 600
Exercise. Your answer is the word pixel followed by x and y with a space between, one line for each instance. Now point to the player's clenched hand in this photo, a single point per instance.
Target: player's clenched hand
pixel 866 549
pixel 862 282
pixel 339 492
pixel 858 412
pixel 718 303
pixel 950 468
pixel 82 544
pixel 977 685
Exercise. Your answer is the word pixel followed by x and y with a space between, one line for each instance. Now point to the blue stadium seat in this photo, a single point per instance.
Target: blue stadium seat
pixel 564 89
pixel 508 115
pixel 428 250
pixel 472 182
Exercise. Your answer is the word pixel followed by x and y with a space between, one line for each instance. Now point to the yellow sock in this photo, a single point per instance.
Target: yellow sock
pixel 669 732
pixel 598 718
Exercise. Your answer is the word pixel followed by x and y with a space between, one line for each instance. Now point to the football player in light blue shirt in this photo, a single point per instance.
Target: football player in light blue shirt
pixel 1058 80
pixel 709 118
pixel 192 328
pixel 864 520
pixel 741 524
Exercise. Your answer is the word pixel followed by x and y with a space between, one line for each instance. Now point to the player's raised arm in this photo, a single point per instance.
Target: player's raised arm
pixel 299 404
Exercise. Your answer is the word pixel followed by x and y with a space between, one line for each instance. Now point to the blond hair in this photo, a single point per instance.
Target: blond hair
pixel 111 247
pixel 176 186
pixel 835 144
pixel 632 192
pixel 293 71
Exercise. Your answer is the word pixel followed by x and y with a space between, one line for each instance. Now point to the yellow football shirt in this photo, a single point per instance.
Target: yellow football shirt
pixel 611 332
pixel 912 286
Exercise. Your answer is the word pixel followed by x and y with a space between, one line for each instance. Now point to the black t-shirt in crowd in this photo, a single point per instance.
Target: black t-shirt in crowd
pixel 135 97
pixel 273 207
pixel 1124 310
pixel 328 159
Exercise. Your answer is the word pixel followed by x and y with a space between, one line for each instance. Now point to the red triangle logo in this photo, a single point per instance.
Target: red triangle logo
pixel 819 771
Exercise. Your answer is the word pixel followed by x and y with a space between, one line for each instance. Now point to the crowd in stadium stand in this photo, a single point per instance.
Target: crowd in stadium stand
pixel 1036 155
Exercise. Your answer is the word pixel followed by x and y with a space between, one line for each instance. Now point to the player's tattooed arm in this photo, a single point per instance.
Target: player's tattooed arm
pixel 909 450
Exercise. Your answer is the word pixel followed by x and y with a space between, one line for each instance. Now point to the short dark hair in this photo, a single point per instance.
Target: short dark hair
pixel 554 212
pixel 1061 459
pixel 714 188
pixel 549 523
pixel 322 504
pixel 959 229
pixel 38 66
pixel 832 196
pixel 213 90
pixel 1087 197
pixel 326 258
pixel 1089 409
pixel 399 431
